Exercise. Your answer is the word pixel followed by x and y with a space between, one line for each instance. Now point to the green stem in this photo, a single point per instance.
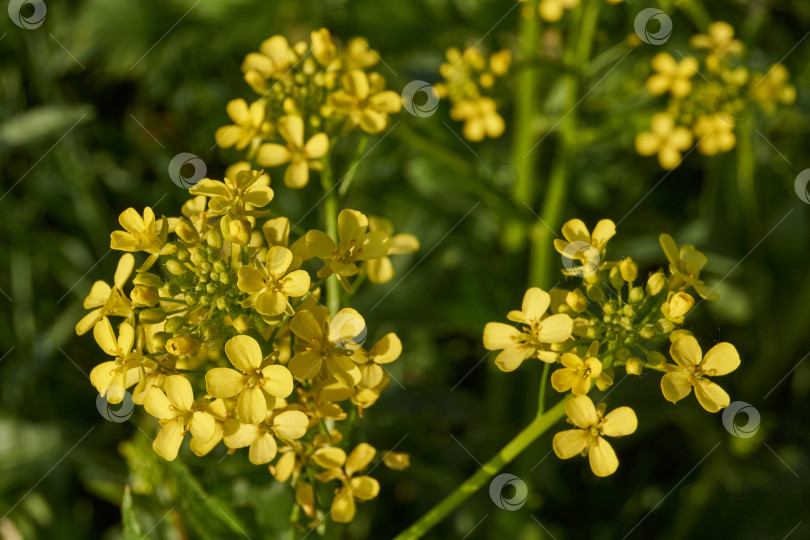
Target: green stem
pixel 541 399
pixel 330 216
pixel 582 28
pixel 745 176
pixel 346 181
pixel 537 427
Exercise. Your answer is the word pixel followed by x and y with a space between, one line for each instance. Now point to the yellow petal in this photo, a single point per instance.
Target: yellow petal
pixel 272 155
pixel 263 449
pixel 387 349
pixel 290 424
pixel 569 443
pixel 224 382
pixel 102 376
pixel 297 175
pixel 203 426
pixel 158 405
pixel 304 493
pixel 342 510
pixel 605 230
pixel 168 441
pixel 647 144
pixel 105 337
pixel 721 359
pixel 320 244
pixel 291 128
pixel 602 458
pixel 675 386
pixel 244 353
pixel 387 102
pixel 296 283
pixel 251 407
pixel 556 329
pixel 563 379
pixel 535 303
pixel 271 303
pixel 499 336
pixel 372 121
pixel 258 196
pixel 278 260
pixel 365 488
pixel 250 280
pixel 278 381
pixel 352 226
pixel 374 246
pixel 179 392
pixel 237 110
pixel 581 412
pixel 619 422
pixel 202 448
pixel 686 352
pixel 359 458
pixel 305 326
pixel 329 457
pixel 355 82
pixel 123 270
pixel 317 146
pixel 576 231
pixel 710 396
pixel 238 434
pixel 277 231
pixel 401 244
pixel 306 365
pixel 513 356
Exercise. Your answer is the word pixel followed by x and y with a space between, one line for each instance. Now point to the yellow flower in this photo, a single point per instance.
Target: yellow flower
pixel 773 88
pixel 537 331
pixel 583 246
pixel 355 245
pixel 383 352
pixel 178 414
pixel 242 190
pixel 552 10
pixel 693 371
pixel 338 466
pixel 677 306
pixel 365 100
pixel 273 61
pixel 576 375
pixel 324 49
pixel 140 232
pixel 249 125
pixel 685 265
pixel 272 284
pixel 104 301
pixel 594 425
pixel 327 346
pixel 397 461
pixel 276 232
pixel 358 55
pixel 719 42
pixel 112 378
pixel 381 270
pixel 480 116
pixel 665 139
pixel 671 76
pixel 302 156
pixel 715 134
pixel 261 438
pixel 256 383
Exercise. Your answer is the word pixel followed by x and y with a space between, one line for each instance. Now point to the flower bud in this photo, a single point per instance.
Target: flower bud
pixel 183 345
pixel 147 279
pixel 144 296
pixel 655 358
pixel 151 316
pixel 576 300
pixel 629 270
pixel 239 232
pixel 655 283
pixel 595 292
pixel 664 326
pixel 397 460
pixel 214 239
pixel 647 332
pixel 186 231
pixel 174 324
pixel 198 257
pixel 636 295
pixel 616 280
pixel 633 366
pixel 175 267
pixel 158 340
pixel 677 306
pixel 242 324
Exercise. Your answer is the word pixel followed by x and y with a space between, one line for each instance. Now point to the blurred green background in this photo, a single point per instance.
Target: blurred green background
pixel 97 101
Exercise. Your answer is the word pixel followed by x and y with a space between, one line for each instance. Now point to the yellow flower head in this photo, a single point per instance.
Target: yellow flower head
pixel 577 374
pixel 381 270
pixel 140 233
pixel 242 190
pixel 480 117
pixel 249 125
pixel 178 414
pixel 552 10
pixel 112 378
pixel 301 155
pixel 339 466
pixel 271 284
pixel 370 363
pixel 677 306
pixel 719 42
pixel 773 88
pixel 671 76
pixel 537 330
pixel 104 301
pixel 583 246
pixel 287 425
pixel 365 101
pixel 685 266
pixel 715 134
pixel 693 371
pixel 665 139
pixel 256 383
pixel 589 439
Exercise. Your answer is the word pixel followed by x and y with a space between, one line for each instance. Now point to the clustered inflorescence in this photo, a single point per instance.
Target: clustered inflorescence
pixel 708 93
pixel 613 319
pixel 228 342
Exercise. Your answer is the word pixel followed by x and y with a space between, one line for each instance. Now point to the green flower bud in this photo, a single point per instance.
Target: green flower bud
pixel 655 358
pixel 633 366
pixel 214 239
pixel 655 283
pixel 628 269
pixel 576 300
pixel 176 267
pixel 144 296
pixel 151 316
pixel 664 326
pixel 242 324
pixel 616 279
pixel 174 324
pixel 158 340
pixel 147 279
pixel 636 295
pixel 186 231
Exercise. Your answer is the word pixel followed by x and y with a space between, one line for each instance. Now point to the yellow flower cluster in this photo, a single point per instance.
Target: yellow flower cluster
pixel 310 93
pixel 469 78
pixel 707 92
pixel 613 319
pixel 230 344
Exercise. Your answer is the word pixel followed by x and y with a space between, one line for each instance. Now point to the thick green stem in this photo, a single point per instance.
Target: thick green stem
pixel 330 215
pixel 541 398
pixel 539 425
pixel 582 30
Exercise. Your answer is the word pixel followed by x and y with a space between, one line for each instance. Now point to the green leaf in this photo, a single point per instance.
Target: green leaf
pixel 132 527
pixel 33 124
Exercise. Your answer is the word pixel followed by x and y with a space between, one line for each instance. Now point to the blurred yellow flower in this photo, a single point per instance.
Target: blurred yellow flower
pixel 340 467
pixel 719 42
pixel 715 134
pixel 480 117
pixel 594 425
pixel 365 101
pixel 381 270
pixel 249 125
pixel 552 10
pixel 671 76
pixel 242 190
pixel 665 139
